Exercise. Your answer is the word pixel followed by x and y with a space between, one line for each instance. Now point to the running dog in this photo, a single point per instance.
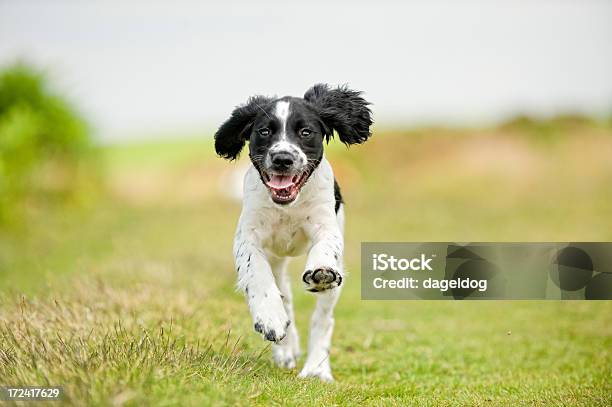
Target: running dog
pixel 292 206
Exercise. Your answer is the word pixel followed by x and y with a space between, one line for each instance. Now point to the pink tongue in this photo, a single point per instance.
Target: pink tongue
pixel 280 181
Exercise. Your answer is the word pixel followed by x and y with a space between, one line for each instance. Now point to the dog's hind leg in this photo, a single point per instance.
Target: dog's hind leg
pixel 286 351
pixel 319 343
pixel 322 324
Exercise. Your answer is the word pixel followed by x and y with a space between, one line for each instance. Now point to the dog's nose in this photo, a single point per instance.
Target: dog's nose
pixel 282 160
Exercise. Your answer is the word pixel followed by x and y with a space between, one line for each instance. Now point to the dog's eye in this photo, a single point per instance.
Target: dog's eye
pixel 265 132
pixel 305 132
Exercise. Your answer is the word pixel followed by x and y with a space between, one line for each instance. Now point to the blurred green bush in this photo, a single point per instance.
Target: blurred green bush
pixel 45 146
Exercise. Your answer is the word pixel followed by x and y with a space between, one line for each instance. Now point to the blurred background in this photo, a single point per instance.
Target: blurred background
pixel 143 68
pixel 493 122
pixel 492 119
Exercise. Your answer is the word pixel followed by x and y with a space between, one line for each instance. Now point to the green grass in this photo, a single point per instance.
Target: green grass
pixel 132 301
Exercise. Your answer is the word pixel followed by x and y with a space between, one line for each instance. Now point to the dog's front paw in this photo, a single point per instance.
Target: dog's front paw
pixel 321 279
pixel 272 324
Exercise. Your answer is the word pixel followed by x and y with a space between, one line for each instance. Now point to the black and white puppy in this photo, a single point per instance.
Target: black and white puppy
pixel 291 206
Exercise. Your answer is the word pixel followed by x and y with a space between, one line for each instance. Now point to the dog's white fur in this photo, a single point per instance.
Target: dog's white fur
pixel 267 236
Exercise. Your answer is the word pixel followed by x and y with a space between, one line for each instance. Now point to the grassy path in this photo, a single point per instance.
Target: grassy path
pixel 131 302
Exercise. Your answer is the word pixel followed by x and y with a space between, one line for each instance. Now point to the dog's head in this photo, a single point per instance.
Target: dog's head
pixel 286 135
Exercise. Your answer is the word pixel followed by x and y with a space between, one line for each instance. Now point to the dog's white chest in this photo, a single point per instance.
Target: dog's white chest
pixel 285 236
pixel 283 231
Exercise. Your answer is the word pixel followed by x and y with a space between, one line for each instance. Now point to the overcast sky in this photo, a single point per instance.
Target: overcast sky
pixel 143 67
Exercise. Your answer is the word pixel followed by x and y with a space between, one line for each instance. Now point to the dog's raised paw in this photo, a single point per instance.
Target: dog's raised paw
pixel 321 279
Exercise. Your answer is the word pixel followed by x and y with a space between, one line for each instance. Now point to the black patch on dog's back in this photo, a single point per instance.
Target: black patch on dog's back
pixel 337 195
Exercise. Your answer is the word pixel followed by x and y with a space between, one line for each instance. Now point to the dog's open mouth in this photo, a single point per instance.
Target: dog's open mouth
pixel 284 188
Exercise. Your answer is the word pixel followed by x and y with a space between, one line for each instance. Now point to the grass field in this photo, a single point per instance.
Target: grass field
pixel 131 300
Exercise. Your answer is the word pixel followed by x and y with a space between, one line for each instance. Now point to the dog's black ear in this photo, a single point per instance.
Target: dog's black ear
pixel 342 110
pixel 234 132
